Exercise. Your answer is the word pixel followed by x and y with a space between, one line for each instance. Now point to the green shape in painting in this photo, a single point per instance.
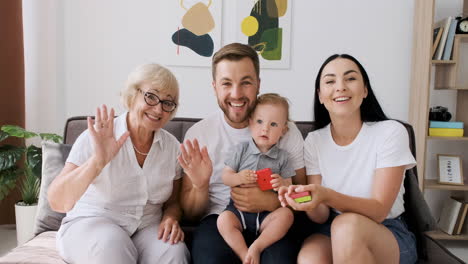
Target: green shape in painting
pixel 273 38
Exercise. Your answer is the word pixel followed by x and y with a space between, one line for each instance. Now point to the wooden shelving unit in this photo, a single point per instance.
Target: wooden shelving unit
pixel 440 235
pixel 448 138
pixel 446 73
pixel 433 184
pixel 443 62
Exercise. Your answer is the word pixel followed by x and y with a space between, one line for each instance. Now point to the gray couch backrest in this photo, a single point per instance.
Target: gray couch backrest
pixel 417 215
pixel 177 127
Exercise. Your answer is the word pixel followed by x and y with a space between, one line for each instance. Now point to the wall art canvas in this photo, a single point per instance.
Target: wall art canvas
pixel 266 26
pixel 191 31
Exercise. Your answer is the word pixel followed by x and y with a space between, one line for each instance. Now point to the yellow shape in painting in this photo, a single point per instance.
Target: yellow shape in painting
pixel 249 26
pixel 282 6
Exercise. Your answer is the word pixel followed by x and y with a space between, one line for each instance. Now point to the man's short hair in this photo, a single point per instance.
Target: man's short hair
pixel 235 52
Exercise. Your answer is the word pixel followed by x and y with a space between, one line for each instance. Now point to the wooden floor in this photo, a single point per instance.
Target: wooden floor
pixel 8 238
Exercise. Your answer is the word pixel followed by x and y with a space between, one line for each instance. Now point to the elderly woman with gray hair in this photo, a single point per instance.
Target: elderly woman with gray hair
pixel 120 184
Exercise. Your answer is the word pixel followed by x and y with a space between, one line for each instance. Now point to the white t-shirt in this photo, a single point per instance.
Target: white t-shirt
pixel 218 136
pixel 350 169
pixel 130 195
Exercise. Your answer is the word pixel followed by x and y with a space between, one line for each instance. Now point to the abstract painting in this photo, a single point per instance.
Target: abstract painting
pixel 266 26
pixel 191 31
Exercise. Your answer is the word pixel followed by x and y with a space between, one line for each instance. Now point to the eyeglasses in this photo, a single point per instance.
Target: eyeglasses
pixel 151 99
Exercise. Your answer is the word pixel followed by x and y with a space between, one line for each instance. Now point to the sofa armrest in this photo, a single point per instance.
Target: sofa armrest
pixel 437 253
pixel 39 250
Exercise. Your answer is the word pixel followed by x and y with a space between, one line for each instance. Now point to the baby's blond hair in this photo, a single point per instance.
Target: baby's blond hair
pixel 274 99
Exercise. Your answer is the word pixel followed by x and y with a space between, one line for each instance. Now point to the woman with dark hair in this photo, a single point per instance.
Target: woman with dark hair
pixel 355 163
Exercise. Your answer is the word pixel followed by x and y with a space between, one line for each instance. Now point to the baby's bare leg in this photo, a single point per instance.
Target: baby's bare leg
pixel 230 229
pixel 272 229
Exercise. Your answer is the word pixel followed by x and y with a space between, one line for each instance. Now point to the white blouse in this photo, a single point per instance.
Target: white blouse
pixel 130 195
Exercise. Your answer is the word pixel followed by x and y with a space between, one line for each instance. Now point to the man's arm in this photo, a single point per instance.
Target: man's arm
pixel 194 200
pixel 254 200
pixel 300 178
pixel 196 180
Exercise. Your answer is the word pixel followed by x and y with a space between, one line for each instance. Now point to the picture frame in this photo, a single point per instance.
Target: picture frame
pixel 449 168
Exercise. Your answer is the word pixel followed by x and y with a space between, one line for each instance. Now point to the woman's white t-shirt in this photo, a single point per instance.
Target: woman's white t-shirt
pixel 350 169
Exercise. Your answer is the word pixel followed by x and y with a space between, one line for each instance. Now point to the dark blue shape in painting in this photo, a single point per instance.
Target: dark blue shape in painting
pixel 202 45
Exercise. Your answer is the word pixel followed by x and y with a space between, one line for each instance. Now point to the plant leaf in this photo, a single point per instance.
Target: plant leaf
pixel 8 180
pixel 3 135
pixel 30 187
pixel 34 160
pixel 9 155
pixel 16 131
pixel 49 136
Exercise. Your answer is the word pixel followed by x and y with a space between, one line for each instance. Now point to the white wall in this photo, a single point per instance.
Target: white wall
pixel 43 56
pixel 92 45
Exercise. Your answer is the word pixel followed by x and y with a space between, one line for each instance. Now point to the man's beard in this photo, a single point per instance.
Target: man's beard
pixel 236 119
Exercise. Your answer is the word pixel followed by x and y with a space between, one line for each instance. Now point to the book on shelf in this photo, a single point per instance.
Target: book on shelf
pixel 449 215
pixel 449 42
pixel 461 220
pixel 464 226
pixel 436 39
pixel 445 132
pixel 444 124
pixel 445 23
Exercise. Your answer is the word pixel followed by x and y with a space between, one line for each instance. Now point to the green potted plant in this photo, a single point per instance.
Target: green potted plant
pixel 11 171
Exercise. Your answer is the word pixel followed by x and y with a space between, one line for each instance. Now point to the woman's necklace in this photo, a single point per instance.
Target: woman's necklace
pixel 139 152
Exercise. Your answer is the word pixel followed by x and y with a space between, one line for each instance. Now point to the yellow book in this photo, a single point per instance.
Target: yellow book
pixel 445 132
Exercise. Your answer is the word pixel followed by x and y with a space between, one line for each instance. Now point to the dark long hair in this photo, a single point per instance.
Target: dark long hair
pixel 370 107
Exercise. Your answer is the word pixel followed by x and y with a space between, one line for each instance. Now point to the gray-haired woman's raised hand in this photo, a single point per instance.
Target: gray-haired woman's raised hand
pixel 102 134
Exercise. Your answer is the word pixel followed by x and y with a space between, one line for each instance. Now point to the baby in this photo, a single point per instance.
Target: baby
pixel 268 123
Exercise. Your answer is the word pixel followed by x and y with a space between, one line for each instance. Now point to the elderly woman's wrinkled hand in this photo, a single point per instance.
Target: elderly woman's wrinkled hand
pixel 196 163
pixel 170 231
pixel 102 134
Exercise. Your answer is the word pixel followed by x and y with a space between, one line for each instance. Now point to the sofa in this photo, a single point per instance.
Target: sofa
pixel 41 249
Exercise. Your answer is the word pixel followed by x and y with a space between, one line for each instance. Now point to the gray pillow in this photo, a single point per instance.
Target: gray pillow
pixel 54 156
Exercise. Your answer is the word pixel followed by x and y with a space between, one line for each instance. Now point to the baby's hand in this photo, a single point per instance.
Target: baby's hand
pixel 277 181
pixel 247 176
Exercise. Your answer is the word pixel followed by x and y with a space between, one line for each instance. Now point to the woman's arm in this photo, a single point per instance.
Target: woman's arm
pixel 316 212
pixel 321 213
pixel 172 207
pixel 68 187
pixel 169 229
pixel 384 192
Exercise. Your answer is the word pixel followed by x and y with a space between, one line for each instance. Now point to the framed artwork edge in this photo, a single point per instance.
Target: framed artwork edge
pixel 458 157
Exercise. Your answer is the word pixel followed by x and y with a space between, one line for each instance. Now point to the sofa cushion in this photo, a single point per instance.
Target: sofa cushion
pixel 54 156
pixel 40 250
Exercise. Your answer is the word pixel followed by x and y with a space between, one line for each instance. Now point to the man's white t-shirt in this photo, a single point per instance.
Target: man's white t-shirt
pixel 350 169
pixel 218 136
